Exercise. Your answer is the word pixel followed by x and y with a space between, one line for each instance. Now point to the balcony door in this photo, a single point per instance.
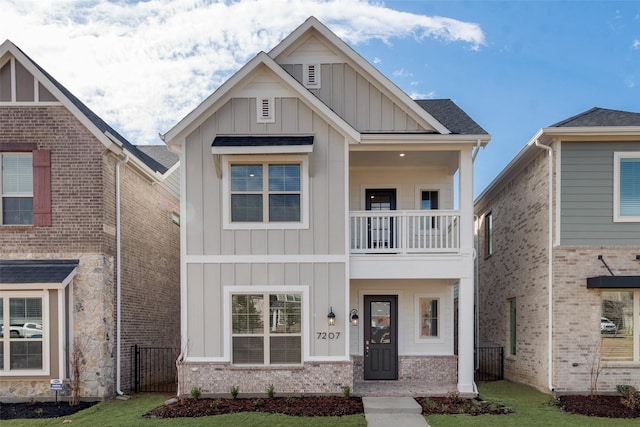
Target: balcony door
pixel 380 228
pixel 380 337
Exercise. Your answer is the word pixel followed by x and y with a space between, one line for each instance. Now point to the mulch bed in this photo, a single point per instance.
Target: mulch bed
pixel 601 406
pixel 457 405
pixel 303 406
pixel 10 411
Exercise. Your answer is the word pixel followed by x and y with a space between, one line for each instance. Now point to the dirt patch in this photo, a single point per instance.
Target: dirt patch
pixel 10 411
pixel 303 406
pixel 600 406
pixel 457 405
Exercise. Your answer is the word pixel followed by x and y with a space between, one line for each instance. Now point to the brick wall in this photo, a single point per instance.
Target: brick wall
pixel 429 369
pixel 517 269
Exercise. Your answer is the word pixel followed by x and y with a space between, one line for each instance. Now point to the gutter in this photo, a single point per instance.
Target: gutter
pixel 118 279
pixel 476 149
pixel 550 262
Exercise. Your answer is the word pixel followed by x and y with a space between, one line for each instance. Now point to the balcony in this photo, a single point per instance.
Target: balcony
pixel 404 232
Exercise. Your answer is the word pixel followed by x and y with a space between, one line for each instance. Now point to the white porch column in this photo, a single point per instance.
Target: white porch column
pixel 466 288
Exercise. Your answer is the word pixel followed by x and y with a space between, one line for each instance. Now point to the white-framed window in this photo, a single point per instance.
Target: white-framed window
pixel 429 317
pixel 265 110
pixel 16 189
pixel 24 344
pixel 311 78
pixel 626 186
pixel 266 192
pixel 266 328
pixel 620 338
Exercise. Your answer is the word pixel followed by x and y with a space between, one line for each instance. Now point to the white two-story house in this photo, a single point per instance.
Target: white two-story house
pixel 327 228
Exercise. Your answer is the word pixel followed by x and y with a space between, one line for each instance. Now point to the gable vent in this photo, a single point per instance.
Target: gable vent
pixel 265 110
pixel 312 76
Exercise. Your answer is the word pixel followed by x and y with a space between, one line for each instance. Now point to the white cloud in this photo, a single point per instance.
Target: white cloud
pixel 418 95
pixel 142 66
pixel 402 73
pixel 636 44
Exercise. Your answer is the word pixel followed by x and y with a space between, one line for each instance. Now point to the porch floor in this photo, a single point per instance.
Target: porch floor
pixel 401 389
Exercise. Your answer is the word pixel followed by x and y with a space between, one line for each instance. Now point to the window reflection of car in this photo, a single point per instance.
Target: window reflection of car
pixel 14 331
pixel 607 326
pixel 27 330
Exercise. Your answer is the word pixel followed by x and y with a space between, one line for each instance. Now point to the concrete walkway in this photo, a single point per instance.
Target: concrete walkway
pixel 393 411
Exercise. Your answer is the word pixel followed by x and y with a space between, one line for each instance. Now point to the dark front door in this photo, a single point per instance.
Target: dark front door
pixel 380 229
pixel 381 337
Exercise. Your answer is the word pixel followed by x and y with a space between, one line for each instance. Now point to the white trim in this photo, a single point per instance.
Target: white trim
pixel 305 330
pixel 557 162
pixel 265 259
pixel 419 339
pixel 347 245
pixel 62 335
pixel 617 157
pixel 46 329
pixel 303 160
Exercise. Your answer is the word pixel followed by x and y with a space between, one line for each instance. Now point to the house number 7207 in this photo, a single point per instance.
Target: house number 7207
pixel 328 335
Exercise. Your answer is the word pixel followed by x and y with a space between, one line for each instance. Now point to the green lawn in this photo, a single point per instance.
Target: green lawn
pixel 531 407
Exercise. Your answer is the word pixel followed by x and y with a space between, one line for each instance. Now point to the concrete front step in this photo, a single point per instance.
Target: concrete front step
pixel 391 405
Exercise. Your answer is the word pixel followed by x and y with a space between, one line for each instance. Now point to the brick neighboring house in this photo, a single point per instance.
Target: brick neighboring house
pixel 559 238
pixel 86 229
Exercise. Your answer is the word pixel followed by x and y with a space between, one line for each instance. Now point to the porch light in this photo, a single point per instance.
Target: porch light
pixel 331 317
pixel 354 317
pixel 402 154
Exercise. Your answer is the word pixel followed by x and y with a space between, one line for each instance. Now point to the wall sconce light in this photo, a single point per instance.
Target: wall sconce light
pixel 354 317
pixel 331 317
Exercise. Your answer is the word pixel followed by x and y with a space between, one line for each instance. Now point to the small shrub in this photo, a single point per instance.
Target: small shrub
pixel 290 400
pixel 346 391
pixel 271 391
pixel 234 392
pixel 39 411
pixel 429 404
pixel 258 403
pixel 455 398
pixel 215 404
pixel 444 409
pixel 196 392
pixel 630 396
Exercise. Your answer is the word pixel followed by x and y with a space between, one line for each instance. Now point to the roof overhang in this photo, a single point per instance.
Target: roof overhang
pixel 36 274
pixel 613 282
pixel 268 144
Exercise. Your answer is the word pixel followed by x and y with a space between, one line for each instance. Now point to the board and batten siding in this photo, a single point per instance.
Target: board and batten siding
pixel 587 195
pixel 204 198
pixel 206 323
pixel 361 104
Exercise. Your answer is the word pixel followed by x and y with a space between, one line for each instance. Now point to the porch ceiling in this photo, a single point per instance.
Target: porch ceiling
pixel 448 159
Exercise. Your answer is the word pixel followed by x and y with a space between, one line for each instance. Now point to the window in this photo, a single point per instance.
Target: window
pixel 429 316
pixel 266 329
pixel 272 194
pixel 429 201
pixel 16 188
pixel 512 326
pixel 22 335
pixel 488 234
pixel 617 331
pixel 312 76
pixel 264 110
pixel 626 187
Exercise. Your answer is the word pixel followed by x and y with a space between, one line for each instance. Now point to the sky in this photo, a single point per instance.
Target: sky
pixel 513 66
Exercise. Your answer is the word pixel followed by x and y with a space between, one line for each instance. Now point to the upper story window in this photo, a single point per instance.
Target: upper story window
pixel 16 189
pixel 488 234
pixel 267 194
pixel 626 187
pixel 312 76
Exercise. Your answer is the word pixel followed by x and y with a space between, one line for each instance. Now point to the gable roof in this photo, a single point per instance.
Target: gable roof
pixel 401 97
pixel 451 116
pixel 99 128
pixel 601 117
pixel 222 94
pixel 595 122
pixel 160 154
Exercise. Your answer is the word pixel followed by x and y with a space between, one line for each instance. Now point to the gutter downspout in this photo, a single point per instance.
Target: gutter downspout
pixel 475 151
pixel 550 266
pixel 118 275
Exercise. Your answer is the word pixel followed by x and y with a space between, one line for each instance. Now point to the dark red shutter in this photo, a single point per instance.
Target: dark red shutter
pixel 42 188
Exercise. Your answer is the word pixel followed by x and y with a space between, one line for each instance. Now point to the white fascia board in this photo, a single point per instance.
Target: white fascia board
pixel 8 46
pixel 421 138
pixel 412 108
pixel 223 93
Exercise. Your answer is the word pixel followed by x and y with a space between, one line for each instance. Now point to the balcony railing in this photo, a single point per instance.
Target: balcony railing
pixel 404 232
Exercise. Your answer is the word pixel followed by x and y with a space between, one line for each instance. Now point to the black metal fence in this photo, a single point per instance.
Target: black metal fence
pixel 154 369
pixel 489 363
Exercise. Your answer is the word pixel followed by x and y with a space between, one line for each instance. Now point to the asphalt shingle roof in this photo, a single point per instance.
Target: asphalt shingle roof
pixel 161 154
pixel 451 116
pixel 601 117
pixel 36 271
